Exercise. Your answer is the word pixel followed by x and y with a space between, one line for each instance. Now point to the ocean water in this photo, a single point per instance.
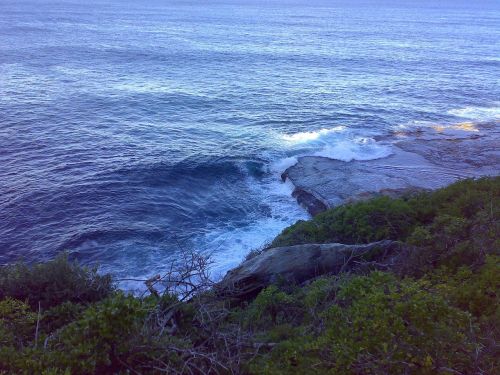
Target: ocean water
pixel 131 129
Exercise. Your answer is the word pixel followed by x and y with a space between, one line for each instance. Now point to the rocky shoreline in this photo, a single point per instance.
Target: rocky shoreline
pixel 422 160
pixel 425 158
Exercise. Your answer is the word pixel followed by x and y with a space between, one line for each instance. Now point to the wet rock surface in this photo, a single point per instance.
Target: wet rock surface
pixel 423 159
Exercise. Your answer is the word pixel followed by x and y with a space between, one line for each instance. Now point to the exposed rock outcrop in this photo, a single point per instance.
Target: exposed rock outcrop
pixel 427 159
pixel 296 264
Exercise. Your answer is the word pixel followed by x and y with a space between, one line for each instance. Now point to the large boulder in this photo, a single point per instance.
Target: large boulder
pixel 299 263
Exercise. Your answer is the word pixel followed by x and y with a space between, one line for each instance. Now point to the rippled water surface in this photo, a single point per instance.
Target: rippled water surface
pixel 130 128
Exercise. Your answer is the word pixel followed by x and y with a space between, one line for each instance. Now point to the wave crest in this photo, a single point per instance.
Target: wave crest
pixel 304 137
pixel 477 113
pixel 358 149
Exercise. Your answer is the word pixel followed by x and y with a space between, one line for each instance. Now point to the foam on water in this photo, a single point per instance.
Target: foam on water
pixel 229 244
pixel 336 143
pixel 305 137
pixel 478 113
pixel 356 149
pixel 279 166
pixel 234 244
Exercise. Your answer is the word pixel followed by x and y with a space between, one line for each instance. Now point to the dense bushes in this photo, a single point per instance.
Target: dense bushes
pixel 380 324
pixel 436 313
pixel 467 204
pixel 112 332
pixel 362 222
pixel 372 324
pixel 53 283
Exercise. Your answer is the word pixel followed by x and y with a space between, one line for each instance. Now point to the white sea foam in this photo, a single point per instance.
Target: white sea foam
pixel 358 149
pixel 304 137
pixel 335 143
pixel 478 113
pixel 231 245
pixel 279 166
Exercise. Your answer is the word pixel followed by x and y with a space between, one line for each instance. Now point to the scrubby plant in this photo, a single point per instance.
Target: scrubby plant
pixel 361 222
pixel 464 203
pixel 17 323
pixel 58 316
pixel 475 290
pixel 269 306
pixel 105 336
pixel 375 324
pixel 54 282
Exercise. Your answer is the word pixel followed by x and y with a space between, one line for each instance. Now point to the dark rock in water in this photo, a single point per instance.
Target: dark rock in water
pixel 427 159
pixel 299 263
pixel 312 204
pixel 284 175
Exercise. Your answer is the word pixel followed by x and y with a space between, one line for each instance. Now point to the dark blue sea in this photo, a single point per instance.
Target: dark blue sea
pixel 129 129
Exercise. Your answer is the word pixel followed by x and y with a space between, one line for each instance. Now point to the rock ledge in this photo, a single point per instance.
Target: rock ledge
pixel 299 263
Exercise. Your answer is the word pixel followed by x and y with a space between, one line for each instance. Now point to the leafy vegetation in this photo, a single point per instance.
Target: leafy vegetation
pixel 380 218
pixel 53 283
pixel 436 313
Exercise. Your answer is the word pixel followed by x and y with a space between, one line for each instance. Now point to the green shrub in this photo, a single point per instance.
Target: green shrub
pixel 101 337
pixel 378 324
pixel 361 222
pixel 476 291
pixel 269 306
pixel 17 323
pixel 456 208
pixel 53 283
pixel 60 315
